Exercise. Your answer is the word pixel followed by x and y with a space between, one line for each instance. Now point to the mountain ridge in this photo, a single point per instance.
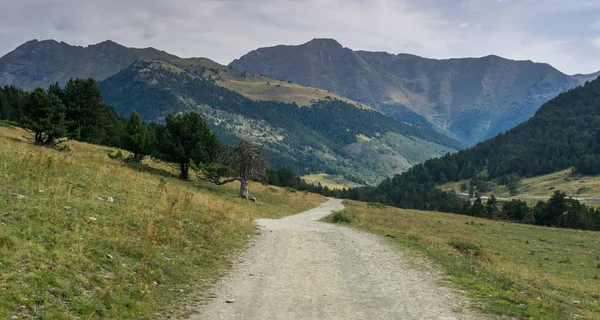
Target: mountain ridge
pixel 468 98
pixel 41 63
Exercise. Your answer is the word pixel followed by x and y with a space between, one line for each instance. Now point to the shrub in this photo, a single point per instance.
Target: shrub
pixel 466 247
pixel 375 205
pixel 341 216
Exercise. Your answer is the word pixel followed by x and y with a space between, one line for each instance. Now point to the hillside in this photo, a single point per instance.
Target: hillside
pixel 254 86
pixel 564 133
pixel 331 136
pixel 471 98
pixel 42 63
pixel 66 254
pixel 533 189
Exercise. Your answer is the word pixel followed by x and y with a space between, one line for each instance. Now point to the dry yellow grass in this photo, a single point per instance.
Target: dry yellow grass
pixel 331 181
pixel 258 87
pixel 532 189
pixel 509 269
pixel 65 254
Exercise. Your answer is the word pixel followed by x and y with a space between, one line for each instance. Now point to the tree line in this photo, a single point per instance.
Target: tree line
pixel 78 112
pixel 559 211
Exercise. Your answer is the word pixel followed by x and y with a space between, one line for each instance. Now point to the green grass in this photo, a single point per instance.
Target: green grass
pixel 330 180
pixel 64 254
pixel 544 186
pixel 509 270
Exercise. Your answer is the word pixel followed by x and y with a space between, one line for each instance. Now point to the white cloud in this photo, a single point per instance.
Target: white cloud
pixel 558 32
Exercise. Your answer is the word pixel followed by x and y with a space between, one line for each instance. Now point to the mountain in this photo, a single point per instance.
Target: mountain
pixel 471 98
pixel 563 133
pixel 586 77
pixel 41 63
pixel 330 135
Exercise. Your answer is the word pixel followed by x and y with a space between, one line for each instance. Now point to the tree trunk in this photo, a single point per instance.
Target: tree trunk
pixel 184 168
pixel 244 188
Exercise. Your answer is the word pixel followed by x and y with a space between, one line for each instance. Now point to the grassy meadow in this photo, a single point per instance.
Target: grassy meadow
pixel 330 180
pixel 546 185
pixel 67 253
pixel 510 270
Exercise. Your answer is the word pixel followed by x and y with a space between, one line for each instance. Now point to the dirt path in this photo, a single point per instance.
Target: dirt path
pixel 299 268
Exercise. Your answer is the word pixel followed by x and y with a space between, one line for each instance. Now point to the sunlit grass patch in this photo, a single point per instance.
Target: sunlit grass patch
pixel 508 269
pixel 83 235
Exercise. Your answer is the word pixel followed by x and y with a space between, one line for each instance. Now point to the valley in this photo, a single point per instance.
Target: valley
pixel 330 136
pixel 114 202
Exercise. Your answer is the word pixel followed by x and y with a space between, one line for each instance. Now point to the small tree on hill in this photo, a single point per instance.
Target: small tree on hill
pixel 242 163
pixel 513 182
pixel 44 115
pixel 516 210
pixel 477 209
pixel 137 138
pixel 491 208
pixel 184 140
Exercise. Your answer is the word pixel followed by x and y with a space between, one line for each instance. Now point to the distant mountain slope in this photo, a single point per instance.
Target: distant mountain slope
pixel 472 98
pixel 41 63
pixel 330 136
pixel 564 133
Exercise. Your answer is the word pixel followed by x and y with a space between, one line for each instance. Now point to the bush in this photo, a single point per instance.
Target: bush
pixel 341 216
pixel 375 205
pixel 466 247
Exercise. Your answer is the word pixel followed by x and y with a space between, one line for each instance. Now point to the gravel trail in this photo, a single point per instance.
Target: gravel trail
pixel 299 268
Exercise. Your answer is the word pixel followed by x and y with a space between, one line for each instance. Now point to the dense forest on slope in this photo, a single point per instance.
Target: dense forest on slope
pixel 306 139
pixel 565 132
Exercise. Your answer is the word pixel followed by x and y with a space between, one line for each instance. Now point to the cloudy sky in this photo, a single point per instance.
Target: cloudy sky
pixel 564 33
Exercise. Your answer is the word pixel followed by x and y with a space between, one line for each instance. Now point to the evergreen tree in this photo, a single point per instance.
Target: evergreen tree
pixel 186 138
pixel 515 210
pixel 513 183
pixel 477 209
pixel 44 114
pixel 491 208
pixel 137 138
pixel 90 119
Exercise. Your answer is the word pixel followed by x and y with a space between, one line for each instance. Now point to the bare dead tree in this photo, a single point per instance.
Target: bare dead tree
pixel 243 162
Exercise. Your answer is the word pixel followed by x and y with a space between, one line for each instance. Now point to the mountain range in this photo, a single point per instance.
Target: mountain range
pixel 439 105
pixel 42 63
pixel 471 98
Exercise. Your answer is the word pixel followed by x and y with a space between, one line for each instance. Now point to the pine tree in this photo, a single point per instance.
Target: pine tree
pixel 186 138
pixel 491 208
pixel 137 138
pixel 477 209
pixel 242 163
pixel 44 115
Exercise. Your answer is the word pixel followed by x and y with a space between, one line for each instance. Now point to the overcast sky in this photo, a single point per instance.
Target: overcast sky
pixel 564 33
